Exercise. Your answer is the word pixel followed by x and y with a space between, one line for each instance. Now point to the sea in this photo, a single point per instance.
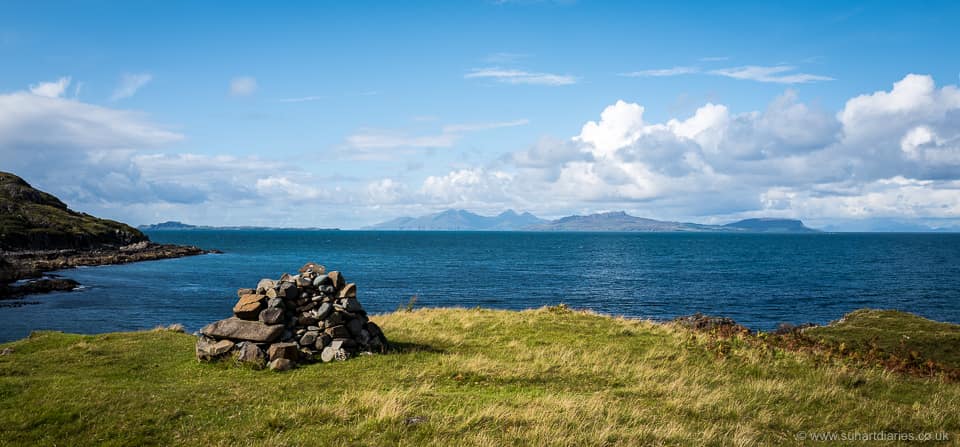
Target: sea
pixel 759 280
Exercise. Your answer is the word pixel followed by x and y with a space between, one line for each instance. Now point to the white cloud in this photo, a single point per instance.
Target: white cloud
pixel 130 84
pixel 780 74
pixel 29 122
pixel 886 154
pixel 243 86
pixel 714 58
pixel 662 72
pixel 511 76
pixel 53 89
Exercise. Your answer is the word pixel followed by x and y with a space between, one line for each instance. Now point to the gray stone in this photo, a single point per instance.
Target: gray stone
pixel 7 351
pixel 265 284
pixel 281 365
pixel 322 281
pixel 328 354
pixel 288 291
pixel 313 328
pixel 271 315
pixel 352 305
pixel 210 349
pixel 251 354
pixel 324 311
pixel 275 302
pixel 308 339
pixel 237 329
pixel 323 340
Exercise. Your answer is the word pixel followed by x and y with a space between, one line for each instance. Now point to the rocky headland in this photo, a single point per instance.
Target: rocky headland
pixel 39 234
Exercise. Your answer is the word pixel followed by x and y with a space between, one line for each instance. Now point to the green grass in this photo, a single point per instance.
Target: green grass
pixel 895 332
pixel 460 377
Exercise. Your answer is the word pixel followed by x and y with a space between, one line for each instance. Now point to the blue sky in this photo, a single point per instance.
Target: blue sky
pixel 348 113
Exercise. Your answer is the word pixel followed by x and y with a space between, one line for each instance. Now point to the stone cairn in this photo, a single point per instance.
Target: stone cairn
pixel 288 321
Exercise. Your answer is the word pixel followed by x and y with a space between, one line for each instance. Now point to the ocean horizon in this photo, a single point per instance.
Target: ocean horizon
pixel 759 280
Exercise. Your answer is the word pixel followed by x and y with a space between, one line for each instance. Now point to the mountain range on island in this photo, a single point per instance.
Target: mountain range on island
pixel 462 220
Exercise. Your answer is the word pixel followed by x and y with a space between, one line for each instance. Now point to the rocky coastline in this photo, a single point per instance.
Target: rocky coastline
pixel 34 265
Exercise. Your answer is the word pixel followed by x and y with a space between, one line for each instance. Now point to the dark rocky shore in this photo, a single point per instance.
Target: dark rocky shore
pixel 34 265
pixel 39 234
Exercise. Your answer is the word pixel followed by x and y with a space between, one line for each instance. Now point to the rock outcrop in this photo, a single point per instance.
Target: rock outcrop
pixel 313 315
pixel 39 233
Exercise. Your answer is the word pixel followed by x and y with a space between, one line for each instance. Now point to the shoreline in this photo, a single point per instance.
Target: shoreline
pixel 35 265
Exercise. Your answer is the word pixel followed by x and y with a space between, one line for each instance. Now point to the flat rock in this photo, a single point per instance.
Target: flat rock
pixel 248 307
pixel 237 329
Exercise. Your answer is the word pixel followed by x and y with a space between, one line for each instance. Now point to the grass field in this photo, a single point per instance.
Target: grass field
pixel 464 377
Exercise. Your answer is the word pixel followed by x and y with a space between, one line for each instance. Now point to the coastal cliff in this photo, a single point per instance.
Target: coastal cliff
pixel 39 233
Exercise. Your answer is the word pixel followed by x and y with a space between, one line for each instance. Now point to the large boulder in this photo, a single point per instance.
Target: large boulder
pixel 243 330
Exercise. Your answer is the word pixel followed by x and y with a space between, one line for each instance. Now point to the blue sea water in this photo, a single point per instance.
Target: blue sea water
pixel 759 280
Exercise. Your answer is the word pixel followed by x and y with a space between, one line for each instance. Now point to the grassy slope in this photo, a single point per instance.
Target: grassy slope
pixel 31 219
pixel 475 377
pixel 895 332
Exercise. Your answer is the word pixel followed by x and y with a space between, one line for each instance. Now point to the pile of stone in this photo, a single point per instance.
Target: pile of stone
pixel 292 320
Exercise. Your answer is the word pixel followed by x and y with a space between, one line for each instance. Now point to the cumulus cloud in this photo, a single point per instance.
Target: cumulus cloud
pixel 511 76
pixel 53 89
pixel 885 154
pixel 107 162
pixel 243 86
pixel 130 84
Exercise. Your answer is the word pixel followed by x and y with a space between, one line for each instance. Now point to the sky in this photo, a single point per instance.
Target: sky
pixel 344 114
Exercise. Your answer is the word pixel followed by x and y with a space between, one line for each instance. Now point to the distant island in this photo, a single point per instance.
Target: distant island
pixel 39 233
pixel 462 220
pixel 173 225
